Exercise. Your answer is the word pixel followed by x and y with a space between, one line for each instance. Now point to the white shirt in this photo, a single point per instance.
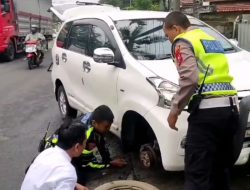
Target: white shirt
pixel 51 170
pixel 34 37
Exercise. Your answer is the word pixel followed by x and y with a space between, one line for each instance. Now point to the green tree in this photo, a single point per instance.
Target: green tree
pixel 155 5
pixel 143 4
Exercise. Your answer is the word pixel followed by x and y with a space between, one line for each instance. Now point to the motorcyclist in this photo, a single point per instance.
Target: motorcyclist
pixel 36 36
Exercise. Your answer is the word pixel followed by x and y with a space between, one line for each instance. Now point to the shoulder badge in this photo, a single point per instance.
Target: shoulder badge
pixel 178 56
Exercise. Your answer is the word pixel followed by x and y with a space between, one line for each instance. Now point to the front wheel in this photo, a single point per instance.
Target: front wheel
pixel 9 55
pixel 30 64
pixel 64 107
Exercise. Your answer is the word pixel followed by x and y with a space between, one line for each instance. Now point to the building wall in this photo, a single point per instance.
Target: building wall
pixel 224 23
pixel 243 36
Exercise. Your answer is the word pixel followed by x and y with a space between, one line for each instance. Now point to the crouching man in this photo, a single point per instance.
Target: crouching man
pixel 52 169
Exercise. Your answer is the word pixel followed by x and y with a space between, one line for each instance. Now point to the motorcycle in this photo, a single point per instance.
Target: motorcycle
pixel 34 56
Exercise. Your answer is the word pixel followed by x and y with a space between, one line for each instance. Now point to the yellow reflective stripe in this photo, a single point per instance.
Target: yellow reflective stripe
pixel 88 132
pixel 87 151
pixel 54 140
pixel 97 166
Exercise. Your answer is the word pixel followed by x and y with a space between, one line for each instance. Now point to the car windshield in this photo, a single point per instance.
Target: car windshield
pixel 145 38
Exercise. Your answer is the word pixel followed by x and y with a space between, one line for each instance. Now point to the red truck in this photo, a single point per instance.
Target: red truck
pixel 16 18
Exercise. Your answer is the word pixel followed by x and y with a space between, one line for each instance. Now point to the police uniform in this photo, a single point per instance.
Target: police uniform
pixel 209 151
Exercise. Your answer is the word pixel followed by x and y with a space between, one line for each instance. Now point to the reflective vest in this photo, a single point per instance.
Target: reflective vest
pixel 88 133
pixel 209 51
pixel 86 153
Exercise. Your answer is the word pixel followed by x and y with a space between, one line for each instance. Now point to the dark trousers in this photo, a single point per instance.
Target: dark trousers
pixel 209 152
pixel 86 174
pixel 42 54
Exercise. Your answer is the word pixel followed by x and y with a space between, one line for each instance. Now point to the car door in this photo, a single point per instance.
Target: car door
pixel 76 54
pixel 60 58
pixel 100 79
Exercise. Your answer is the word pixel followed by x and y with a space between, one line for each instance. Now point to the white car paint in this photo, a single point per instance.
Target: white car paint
pixel 127 89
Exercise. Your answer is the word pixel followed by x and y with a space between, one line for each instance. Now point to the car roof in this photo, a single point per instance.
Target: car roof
pixel 117 14
pixel 135 14
pixel 67 11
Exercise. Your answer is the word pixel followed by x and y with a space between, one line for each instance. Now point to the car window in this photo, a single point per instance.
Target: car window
pixel 224 42
pixel 145 38
pixel 56 23
pixel 78 39
pixel 62 37
pixel 98 39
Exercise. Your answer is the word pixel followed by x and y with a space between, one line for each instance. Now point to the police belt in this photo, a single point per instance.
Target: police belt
pixel 219 102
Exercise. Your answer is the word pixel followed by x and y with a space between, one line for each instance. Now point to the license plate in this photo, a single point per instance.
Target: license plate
pixel 30 49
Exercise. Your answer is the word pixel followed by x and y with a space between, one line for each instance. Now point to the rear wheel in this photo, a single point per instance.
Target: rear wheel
pixel 64 107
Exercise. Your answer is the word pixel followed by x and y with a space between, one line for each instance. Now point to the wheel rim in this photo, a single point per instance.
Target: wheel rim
pixel 62 104
pixel 145 158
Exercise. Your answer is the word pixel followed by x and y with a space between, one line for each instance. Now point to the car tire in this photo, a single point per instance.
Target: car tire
pixel 64 107
pixel 126 184
pixel 9 55
pixel 128 141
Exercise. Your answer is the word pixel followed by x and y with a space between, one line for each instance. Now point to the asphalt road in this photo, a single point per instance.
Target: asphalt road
pixel 27 105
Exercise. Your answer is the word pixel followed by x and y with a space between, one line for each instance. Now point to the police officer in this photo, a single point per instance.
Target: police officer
pixel 205 85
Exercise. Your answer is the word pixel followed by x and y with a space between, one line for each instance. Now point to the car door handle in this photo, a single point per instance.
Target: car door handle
pixel 64 57
pixel 86 66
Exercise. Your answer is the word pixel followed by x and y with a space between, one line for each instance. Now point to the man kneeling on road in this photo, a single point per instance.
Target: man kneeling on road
pixel 98 123
pixel 52 169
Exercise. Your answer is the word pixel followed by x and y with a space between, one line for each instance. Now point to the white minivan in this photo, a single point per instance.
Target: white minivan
pixel 122 59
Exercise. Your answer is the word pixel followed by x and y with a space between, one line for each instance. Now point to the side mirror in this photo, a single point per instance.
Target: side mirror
pixel 6 7
pixel 104 55
pixel 234 42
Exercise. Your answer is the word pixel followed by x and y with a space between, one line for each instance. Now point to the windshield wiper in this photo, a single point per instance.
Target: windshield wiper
pixel 167 56
pixel 229 49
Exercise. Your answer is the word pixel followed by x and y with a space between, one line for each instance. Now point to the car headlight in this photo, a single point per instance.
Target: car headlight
pixel 166 90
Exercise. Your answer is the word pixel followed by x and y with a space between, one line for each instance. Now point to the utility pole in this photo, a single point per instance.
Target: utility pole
pixel 175 5
pixel 196 8
pixel 39 9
